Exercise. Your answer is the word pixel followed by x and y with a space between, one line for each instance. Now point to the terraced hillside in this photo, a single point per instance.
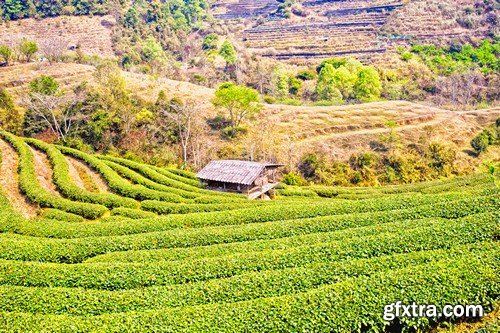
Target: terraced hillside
pixel 91 34
pixel 343 130
pixel 317 29
pixel 96 243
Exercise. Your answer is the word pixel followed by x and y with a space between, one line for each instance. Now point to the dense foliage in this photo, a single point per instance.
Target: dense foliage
pixel 18 9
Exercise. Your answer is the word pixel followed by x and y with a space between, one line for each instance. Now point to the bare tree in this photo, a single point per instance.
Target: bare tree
pixel 55 111
pixel 182 115
pixel 54 48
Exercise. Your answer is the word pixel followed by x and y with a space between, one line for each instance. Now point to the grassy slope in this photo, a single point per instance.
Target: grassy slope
pixel 341 129
pixel 92 34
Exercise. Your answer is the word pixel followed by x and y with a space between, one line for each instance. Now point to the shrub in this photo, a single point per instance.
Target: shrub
pixel 480 143
pixel 56 214
pixel 28 48
pixel 293 178
pixel 68 188
pixel 6 54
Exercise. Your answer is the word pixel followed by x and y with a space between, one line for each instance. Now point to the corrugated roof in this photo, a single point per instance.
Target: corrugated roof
pixel 232 171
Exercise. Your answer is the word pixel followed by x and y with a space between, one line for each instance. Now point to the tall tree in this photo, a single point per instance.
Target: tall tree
pixel 325 88
pixel 368 86
pixel 28 48
pixel 238 101
pixel 228 53
pixel 182 115
pixel 50 108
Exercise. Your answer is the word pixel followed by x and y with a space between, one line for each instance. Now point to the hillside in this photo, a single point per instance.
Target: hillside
pixel 338 130
pixel 343 130
pixel 306 31
pixel 146 248
pixel 16 80
pixel 92 35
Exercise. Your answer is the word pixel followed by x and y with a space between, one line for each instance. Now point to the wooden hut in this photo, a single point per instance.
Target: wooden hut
pixel 251 178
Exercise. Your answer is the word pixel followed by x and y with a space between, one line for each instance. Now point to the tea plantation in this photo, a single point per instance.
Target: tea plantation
pixel 154 251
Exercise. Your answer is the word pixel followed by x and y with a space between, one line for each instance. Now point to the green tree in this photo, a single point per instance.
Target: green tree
pixel 238 101
pixel 344 81
pixel 335 62
pixel 280 82
pixel 13 9
pixel 325 87
pixel 228 53
pixel 294 85
pixel 6 53
pixel 480 143
pixel 11 117
pixel 210 42
pixel 368 86
pixel 131 19
pixel 152 50
pixel 28 48
pixel 45 85
pixel 441 158
pixel 6 101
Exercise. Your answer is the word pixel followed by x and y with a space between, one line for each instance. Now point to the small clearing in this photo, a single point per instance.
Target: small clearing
pixel 9 181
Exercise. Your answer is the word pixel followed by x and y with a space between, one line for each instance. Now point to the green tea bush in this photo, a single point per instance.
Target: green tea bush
pixel 30 186
pixel 65 184
pixel 56 214
pixel 134 213
pixel 238 288
pixel 117 183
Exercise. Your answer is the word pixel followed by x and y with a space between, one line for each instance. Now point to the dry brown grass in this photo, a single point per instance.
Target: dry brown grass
pixel 17 78
pixel 343 130
pixel 92 34
pixel 89 179
pixel 9 181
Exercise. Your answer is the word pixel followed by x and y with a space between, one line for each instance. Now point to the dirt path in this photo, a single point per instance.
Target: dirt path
pixel 90 180
pixel 43 171
pixel 9 181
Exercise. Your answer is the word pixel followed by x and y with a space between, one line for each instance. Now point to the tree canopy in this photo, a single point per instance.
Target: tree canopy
pixel 238 101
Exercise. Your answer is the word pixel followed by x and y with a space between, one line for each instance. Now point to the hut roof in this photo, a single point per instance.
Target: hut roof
pixel 233 171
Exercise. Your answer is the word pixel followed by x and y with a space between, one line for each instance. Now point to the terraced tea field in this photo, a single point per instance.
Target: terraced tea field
pixel 96 243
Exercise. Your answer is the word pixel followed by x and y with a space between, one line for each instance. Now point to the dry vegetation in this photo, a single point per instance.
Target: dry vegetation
pixel 17 78
pixel 343 130
pixel 90 180
pixel 91 34
pixel 43 172
pixel 318 29
pixel 339 130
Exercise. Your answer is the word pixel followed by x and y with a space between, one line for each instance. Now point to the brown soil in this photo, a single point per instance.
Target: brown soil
pixel 75 175
pixel 43 171
pixel 9 181
pixel 90 180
